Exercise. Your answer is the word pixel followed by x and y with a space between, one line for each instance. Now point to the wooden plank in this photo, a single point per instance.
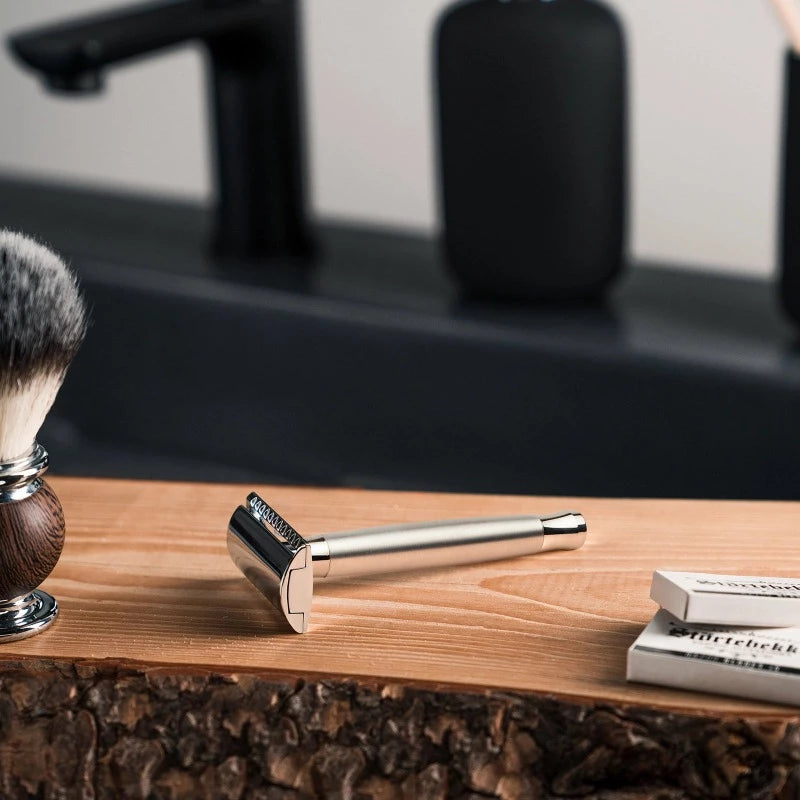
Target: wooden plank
pixel 168 676
pixel 145 576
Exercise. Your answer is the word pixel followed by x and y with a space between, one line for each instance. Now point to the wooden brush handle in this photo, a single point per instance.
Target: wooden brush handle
pixel 31 538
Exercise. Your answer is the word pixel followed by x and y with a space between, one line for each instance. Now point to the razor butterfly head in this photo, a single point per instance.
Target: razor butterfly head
pixel 274 558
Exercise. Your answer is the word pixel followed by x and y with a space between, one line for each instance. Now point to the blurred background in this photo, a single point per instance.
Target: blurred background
pixel 374 369
pixel 705 89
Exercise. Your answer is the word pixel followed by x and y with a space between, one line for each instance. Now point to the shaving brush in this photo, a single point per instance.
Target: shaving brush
pixel 42 324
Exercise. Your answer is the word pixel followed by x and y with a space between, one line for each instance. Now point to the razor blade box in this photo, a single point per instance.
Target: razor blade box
pixel 728 599
pixel 759 663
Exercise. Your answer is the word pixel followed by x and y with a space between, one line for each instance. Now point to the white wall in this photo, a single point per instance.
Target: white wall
pixel 705 79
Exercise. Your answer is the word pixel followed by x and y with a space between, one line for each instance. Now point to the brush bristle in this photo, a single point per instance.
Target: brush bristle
pixel 42 325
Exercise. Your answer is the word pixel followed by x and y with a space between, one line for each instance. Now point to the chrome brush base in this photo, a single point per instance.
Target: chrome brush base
pixel 23 477
pixel 27 615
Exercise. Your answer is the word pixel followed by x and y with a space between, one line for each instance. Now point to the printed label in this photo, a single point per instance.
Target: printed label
pixel 773 649
pixel 735 584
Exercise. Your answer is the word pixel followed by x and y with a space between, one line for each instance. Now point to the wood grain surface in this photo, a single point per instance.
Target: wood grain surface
pixel 145 576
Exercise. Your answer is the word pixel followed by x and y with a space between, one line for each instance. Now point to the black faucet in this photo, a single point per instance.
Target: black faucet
pixel 253 49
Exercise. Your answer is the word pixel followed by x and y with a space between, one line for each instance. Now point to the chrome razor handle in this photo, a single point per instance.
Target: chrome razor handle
pixel 282 564
pixel 399 548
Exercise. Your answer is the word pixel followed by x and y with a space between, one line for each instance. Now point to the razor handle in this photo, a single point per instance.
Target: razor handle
pixel 400 548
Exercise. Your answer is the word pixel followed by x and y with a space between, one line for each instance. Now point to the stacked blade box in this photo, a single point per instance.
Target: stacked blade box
pixel 726 634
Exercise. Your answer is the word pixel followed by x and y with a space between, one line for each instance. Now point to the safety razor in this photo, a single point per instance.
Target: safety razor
pixel 283 565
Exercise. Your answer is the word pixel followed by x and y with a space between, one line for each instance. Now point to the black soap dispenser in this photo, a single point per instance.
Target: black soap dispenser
pixel 531 106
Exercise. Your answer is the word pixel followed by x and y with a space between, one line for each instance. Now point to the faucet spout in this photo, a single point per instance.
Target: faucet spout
pixel 88 82
pixel 253 52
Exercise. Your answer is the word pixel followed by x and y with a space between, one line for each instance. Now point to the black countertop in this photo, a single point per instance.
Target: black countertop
pixel 370 369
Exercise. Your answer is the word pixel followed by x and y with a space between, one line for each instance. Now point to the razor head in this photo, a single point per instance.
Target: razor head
pixel 274 558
